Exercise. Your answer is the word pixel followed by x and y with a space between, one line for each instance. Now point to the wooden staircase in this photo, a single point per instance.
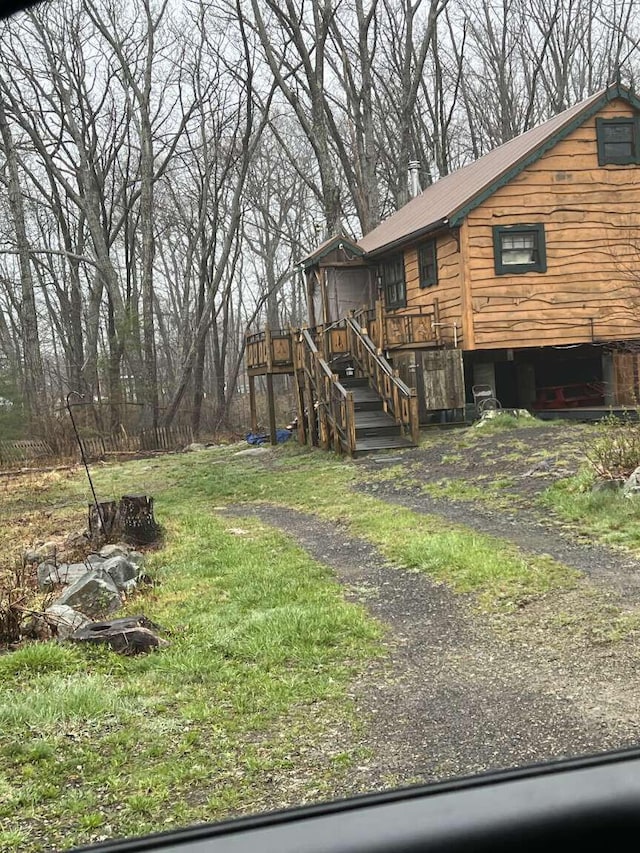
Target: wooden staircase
pixel 349 398
pixel 375 429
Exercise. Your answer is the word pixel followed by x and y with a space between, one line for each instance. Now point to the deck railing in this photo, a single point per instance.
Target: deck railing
pixel 269 350
pixel 389 331
pixel 399 400
pixel 335 408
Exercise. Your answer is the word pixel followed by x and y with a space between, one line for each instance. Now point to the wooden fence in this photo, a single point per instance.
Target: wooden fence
pixel 37 453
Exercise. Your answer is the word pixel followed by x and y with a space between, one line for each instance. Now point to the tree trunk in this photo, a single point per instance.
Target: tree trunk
pixel 34 385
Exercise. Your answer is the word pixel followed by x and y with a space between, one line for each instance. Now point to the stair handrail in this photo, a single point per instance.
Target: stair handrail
pixel 400 400
pixel 336 406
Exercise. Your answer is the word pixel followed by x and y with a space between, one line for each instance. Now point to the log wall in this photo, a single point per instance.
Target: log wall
pixel 446 291
pixel 591 215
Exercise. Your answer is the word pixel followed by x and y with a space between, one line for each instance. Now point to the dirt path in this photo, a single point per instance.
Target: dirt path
pixel 452 697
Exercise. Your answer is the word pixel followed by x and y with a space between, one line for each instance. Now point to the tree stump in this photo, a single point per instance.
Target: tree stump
pixel 135 522
pixel 101 525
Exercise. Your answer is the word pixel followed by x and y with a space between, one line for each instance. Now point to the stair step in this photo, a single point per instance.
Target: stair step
pixel 350 382
pixel 371 424
pixel 366 400
pixel 374 419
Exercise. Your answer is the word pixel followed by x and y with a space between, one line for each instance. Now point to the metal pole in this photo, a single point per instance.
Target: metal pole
pixel 84 458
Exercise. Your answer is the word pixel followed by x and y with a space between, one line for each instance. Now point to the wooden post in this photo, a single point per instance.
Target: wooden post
pixel 351 424
pixel 271 404
pixel 302 426
pixel 252 403
pixel 324 428
pixel 436 321
pixel 311 414
pixel 269 352
pixel 414 418
pixel 380 343
pixel 311 308
pixel 326 316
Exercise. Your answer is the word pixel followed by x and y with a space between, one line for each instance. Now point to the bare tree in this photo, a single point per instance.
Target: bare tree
pixel 33 376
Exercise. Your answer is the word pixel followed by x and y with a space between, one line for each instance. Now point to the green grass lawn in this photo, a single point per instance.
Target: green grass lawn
pixel 262 649
pixel 249 707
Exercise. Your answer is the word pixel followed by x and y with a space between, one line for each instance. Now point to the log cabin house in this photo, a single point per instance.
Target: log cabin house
pixel 519 271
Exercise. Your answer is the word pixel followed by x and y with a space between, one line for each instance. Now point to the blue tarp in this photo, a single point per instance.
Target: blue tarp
pixel 259 438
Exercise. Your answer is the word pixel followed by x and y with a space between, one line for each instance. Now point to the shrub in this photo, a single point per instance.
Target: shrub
pixel 15 582
pixel 615 452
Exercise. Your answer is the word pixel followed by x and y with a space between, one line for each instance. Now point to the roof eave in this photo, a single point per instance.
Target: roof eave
pixel 440 225
pixel 337 242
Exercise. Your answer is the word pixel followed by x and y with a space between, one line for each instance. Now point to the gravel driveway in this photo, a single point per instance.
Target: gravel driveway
pixel 456 696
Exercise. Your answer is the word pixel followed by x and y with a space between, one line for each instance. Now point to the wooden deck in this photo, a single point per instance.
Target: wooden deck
pixel 349 397
pixel 273 350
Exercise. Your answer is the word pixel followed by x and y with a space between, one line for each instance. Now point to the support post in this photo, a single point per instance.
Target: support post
pixel 268 345
pixel 311 308
pixel 302 426
pixel 311 413
pixel 252 404
pixel 380 323
pixel 272 409
pixel 326 314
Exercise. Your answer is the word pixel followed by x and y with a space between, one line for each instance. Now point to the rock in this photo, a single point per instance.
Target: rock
pixel 92 594
pixel 253 451
pixel 35 627
pixel 46 551
pixel 631 486
pixel 136 558
pixel 119 550
pixel 64 620
pixel 121 571
pixel 195 447
pixel 78 539
pixel 490 414
pixel 607 486
pixel 539 469
pixel 49 574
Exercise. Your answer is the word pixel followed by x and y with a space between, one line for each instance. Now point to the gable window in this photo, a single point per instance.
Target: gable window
pixel 392 274
pixel 519 249
pixel 428 264
pixel 618 140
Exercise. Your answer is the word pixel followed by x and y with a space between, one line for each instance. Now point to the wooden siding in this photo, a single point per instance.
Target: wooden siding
pixel 446 292
pixel 591 215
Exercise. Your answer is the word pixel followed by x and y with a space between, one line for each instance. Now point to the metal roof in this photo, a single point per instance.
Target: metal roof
pixel 448 200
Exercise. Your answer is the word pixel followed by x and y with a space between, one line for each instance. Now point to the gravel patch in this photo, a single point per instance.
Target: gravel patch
pixel 454 696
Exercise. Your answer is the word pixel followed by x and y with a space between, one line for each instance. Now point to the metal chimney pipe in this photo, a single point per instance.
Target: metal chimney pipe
pixel 414 178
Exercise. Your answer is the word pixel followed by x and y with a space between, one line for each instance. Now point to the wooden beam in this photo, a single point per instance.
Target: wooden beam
pixel 311 276
pixel 311 414
pixel 302 426
pixel 269 350
pixel 468 331
pixel 272 409
pixel 326 319
pixel 381 343
pixel 252 404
